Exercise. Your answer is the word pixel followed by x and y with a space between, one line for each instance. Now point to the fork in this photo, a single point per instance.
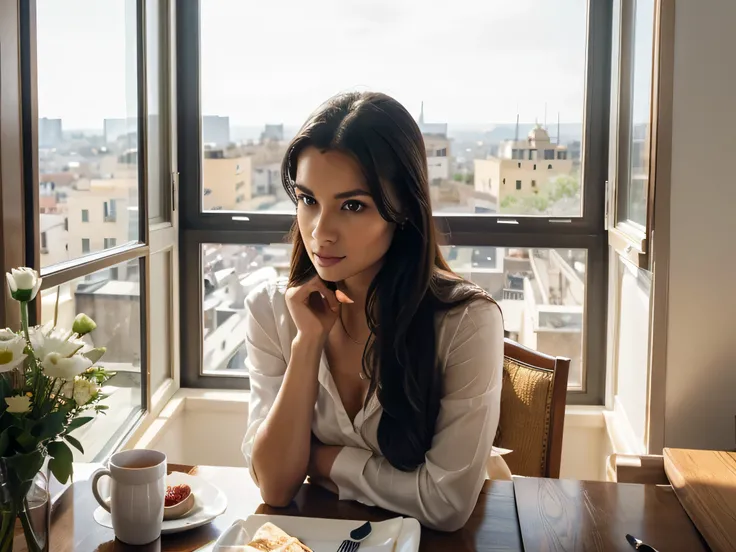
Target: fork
pixel 356 537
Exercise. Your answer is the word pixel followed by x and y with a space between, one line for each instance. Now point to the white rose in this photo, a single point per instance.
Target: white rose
pixel 18 405
pixel 57 366
pixel 66 389
pixel 46 340
pixel 11 350
pixel 84 391
pixel 24 283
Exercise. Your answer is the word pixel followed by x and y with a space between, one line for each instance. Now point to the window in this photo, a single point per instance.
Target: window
pixel 110 211
pixel 549 290
pixel 535 167
pixel 644 53
pixel 114 304
pixel 549 167
pixel 247 122
pixel 534 183
pixel 633 203
pixel 519 165
pixel 88 127
pixel 549 154
pixel 89 189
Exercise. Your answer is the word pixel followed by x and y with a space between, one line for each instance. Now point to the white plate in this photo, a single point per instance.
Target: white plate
pixel 325 535
pixel 209 502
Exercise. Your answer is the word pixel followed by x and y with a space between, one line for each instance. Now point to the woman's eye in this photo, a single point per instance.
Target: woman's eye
pixel 354 206
pixel 307 200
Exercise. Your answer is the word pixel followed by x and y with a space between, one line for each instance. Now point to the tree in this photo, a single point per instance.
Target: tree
pixel 564 186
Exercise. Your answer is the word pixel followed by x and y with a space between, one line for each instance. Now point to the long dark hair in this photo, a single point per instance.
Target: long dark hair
pixel 414 282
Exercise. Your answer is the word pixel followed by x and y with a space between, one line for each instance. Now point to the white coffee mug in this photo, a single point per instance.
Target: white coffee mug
pixel 137 494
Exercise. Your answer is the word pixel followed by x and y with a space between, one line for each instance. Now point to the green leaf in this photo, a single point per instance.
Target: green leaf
pixel 61 461
pixel 27 441
pixel 78 422
pixel 73 442
pixel 4 442
pixel 5 391
pixel 50 425
pixel 25 466
pixel 95 355
pixel 101 407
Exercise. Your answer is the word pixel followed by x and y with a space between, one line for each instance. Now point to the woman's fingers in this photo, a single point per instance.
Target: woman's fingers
pixel 340 296
pixel 318 286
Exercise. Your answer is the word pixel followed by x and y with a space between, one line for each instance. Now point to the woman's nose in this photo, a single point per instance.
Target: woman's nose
pixel 325 229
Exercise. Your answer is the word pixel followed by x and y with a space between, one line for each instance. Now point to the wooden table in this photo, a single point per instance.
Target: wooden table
pixel 559 515
pixel 493 525
pixel 705 483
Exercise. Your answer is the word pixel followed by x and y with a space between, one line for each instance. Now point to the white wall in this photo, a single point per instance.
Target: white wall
pixel 701 341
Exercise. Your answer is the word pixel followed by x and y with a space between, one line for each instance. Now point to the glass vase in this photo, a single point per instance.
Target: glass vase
pixel 25 507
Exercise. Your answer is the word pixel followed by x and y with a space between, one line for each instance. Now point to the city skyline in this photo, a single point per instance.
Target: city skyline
pixel 480 63
pixel 569 128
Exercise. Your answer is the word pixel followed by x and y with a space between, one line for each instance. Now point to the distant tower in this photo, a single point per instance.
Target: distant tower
pixel 558 128
pixel 421 114
pixel 516 133
pixel 545 115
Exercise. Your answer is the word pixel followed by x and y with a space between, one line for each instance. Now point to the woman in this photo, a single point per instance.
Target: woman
pixel 375 371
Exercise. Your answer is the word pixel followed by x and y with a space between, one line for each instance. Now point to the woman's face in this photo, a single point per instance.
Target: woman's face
pixel 342 230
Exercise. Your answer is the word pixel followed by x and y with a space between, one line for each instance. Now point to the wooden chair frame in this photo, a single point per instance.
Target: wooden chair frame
pixel 561 368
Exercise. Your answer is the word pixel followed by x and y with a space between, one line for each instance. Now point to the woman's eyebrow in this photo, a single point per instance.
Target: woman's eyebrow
pixel 342 195
pixel 353 193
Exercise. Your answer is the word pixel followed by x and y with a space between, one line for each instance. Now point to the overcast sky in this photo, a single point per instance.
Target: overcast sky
pixel 470 61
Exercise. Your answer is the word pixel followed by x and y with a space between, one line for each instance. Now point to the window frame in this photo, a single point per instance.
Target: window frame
pixel 19 187
pixel 234 227
pixel 629 239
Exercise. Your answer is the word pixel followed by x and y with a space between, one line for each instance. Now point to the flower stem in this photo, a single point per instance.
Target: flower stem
pixel 30 534
pixel 7 530
pixel 35 372
pixel 24 320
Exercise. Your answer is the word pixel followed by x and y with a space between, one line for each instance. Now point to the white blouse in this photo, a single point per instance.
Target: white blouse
pixel 443 491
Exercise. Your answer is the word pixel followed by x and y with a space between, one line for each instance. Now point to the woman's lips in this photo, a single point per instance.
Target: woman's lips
pixel 327 261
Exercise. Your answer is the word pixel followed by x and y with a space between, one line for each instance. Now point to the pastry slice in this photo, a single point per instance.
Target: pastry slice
pixel 270 538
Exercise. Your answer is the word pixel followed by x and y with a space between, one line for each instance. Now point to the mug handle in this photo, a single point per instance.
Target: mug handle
pixel 95 491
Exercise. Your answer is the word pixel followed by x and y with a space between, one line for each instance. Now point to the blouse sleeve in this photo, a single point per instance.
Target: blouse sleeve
pixel 265 363
pixel 442 492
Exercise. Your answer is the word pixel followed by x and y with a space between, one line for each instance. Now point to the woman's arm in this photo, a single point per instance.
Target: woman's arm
pixel 442 492
pixel 282 398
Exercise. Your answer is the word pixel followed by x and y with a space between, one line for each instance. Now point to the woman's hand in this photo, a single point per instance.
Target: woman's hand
pixel 314 308
pixel 321 459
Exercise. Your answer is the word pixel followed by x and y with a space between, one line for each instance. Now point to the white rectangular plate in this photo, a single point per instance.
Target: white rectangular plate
pixel 325 535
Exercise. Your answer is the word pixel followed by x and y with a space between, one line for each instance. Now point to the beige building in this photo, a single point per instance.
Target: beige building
pixel 523 167
pixel 102 214
pixel 553 301
pixel 226 182
pixel 437 145
pixel 54 239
